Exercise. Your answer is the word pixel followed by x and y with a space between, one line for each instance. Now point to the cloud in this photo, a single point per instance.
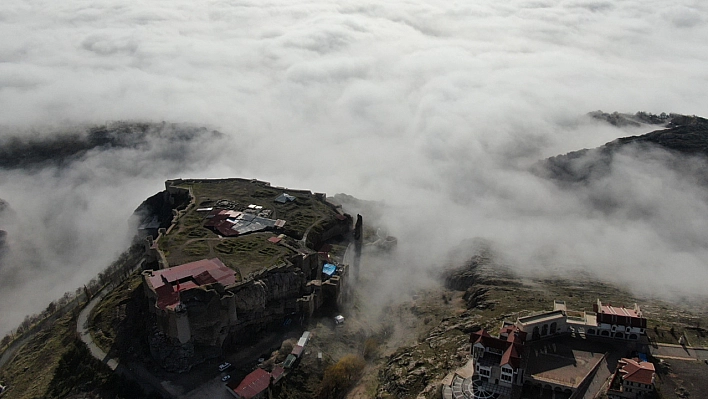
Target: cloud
pixel 437 108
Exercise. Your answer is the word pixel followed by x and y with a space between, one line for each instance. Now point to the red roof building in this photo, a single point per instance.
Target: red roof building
pixel 254 386
pixel 632 379
pixel 168 283
pixel 620 317
pixel 498 361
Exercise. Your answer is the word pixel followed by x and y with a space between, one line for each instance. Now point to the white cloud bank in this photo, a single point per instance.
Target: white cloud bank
pixel 436 107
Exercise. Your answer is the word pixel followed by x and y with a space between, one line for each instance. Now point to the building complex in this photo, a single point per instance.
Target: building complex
pixel 500 366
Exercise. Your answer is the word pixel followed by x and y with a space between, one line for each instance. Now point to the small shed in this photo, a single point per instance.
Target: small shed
pixel 283 198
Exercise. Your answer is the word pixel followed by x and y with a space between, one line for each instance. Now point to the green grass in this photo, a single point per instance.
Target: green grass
pixel 30 373
pixel 56 364
pixel 299 215
pixel 198 249
pixel 106 316
pixel 189 241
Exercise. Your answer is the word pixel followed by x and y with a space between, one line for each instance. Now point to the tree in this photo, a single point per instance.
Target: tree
pixel 5 341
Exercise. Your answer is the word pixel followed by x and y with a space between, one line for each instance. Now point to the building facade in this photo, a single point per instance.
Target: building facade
pixel 619 322
pixel 545 324
pixel 633 379
pixel 604 321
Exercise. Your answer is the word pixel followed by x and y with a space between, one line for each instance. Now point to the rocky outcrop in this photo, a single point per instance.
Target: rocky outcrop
pixel 478 270
pixel 176 357
pixel 416 369
pixel 283 284
pixel 250 297
pixel 476 297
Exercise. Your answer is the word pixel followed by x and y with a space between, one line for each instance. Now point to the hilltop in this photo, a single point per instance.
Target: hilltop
pixel 31 150
pixel 683 136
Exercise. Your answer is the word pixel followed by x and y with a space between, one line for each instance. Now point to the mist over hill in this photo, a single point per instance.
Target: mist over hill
pixel 35 151
pixel 436 110
pixel 685 138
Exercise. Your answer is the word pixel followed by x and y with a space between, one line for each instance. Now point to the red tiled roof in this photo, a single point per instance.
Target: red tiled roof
pixel 511 356
pixel 514 334
pixel 636 371
pixel 622 311
pixel 254 383
pixel 511 347
pixel 275 240
pixel 477 336
pixel 225 228
pixel 167 283
pixel 487 340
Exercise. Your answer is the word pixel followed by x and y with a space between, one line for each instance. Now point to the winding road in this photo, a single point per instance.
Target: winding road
pixel 132 371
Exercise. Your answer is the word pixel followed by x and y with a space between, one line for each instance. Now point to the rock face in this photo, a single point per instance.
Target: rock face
pixel 258 303
pixel 178 358
pixel 415 369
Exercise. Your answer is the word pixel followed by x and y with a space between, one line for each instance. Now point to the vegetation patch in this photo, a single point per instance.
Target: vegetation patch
pixel 105 319
pixel 56 364
pixel 196 248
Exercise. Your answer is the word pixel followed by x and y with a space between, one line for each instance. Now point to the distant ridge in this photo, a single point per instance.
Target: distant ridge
pixel 683 135
pixel 66 146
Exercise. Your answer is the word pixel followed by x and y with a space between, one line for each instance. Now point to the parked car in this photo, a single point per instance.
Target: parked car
pixel 224 366
pixel 225 378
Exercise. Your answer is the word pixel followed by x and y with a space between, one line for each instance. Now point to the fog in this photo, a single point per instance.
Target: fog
pixel 435 108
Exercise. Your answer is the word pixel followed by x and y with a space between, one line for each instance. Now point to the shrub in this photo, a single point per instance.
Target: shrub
pixel 339 377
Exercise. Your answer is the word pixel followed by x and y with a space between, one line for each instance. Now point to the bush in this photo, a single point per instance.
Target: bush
pixel 371 348
pixel 339 377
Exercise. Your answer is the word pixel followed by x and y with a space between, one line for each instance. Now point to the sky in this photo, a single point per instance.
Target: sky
pixel 436 108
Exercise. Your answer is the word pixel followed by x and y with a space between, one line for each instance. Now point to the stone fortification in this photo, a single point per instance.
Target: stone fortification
pixel 205 306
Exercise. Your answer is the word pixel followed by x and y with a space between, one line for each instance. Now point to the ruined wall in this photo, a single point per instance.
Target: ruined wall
pixel 326 229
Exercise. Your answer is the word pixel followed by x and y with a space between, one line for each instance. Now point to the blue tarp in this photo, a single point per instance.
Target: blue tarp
pixel 329 269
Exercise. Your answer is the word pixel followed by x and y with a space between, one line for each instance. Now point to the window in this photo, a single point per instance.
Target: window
pixel 506 377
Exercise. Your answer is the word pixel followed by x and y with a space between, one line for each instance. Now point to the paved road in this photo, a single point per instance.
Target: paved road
pixel 667 351
pixel 9 353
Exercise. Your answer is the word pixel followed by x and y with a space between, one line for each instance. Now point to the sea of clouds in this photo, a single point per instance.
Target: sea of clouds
pixel 436 108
